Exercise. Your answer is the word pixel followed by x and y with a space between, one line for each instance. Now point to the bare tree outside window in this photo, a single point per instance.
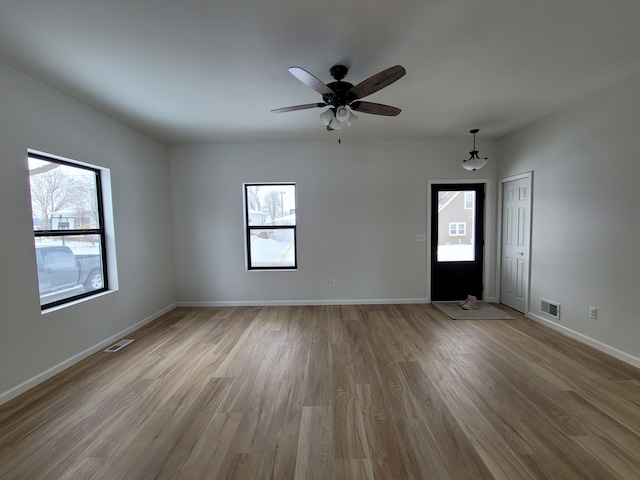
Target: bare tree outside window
pixel 253 199
pixel 51 191
pixel 85 201
pixel 273 204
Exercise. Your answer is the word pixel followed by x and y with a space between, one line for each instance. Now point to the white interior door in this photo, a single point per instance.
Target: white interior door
pixel 516 226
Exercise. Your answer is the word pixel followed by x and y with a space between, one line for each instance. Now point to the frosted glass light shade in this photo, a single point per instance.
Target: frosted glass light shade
pixel 327 116
pixel 474 163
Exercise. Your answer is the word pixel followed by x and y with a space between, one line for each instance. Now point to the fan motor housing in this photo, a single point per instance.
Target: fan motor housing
pixel 341 94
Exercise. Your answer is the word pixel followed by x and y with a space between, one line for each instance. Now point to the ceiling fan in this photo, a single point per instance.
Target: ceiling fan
pixel 342 97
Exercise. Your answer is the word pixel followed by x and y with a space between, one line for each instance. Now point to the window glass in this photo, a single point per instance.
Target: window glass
pixel 68 229
pixel 469 199
pixel 456 210
pixel 270 224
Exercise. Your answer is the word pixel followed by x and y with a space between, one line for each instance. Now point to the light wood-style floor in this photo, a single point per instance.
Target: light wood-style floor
pixel 331 392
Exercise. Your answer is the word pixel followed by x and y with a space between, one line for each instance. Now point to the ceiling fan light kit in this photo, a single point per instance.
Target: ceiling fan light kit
pixel 474 162
pixel 342 97
pixel 336 118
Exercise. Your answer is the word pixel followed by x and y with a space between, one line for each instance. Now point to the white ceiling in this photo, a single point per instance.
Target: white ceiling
pixel 207 71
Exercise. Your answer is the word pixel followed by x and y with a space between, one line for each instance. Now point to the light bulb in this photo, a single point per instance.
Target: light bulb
pixel 342 113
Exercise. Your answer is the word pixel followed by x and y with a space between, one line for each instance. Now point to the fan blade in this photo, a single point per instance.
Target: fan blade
pixel 298 107
pixel 375 108
pixel 310 81
pixel 377 82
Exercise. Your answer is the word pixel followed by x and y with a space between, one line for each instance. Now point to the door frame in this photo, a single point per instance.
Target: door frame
pixel 501 182
pixel 489 232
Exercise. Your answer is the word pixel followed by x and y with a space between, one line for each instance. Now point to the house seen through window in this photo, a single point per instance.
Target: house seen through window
pixel 68 228
pixel 270 226
pixel 456 212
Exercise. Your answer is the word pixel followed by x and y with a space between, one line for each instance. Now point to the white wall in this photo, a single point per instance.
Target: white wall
pixel 32 345
pixel 586 224
pixel 359 208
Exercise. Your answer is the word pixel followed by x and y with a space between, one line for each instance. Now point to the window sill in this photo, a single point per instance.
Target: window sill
pixel 76 302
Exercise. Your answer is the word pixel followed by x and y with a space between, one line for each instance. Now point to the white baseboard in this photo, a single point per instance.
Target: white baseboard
pixel 47 374
pixel 267 303
pixel 603 347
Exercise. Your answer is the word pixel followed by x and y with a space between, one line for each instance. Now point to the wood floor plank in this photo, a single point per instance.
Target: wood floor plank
pixel 331 392
pixel 349 435
pixel 353 469
pixel 315 445
pixel 381 433
pixel 618 462
pixel 494 449
pixel 441 448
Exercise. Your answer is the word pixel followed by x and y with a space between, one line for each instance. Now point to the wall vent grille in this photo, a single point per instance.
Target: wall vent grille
pixel 550 308
pixel 121 344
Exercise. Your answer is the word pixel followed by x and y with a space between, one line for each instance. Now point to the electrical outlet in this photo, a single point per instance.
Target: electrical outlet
pixel 593 313
pixel 335 282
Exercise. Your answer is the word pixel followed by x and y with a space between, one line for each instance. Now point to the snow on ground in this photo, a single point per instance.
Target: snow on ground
pixel 78 248
pixel 455 253
pixel 268 252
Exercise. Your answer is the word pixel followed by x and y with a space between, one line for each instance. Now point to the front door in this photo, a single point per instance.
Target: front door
pixel 516 219
pixel 457 241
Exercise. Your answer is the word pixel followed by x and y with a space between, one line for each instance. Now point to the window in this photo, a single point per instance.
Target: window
pixel 270 226
pixel 68 226
pixel 457 229
pixel 469 200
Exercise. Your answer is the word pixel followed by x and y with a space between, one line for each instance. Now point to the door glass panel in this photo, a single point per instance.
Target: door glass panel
pixel 456 214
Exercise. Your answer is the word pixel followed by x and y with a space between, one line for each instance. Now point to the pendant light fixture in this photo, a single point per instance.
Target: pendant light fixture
pixel 474 162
